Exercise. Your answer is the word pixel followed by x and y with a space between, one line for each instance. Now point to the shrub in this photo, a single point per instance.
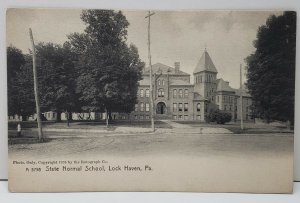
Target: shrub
pixel 219 117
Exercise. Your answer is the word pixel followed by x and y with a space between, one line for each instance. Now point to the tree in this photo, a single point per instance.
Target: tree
pixel 15 60
pixel 109 69
pixel 56 76
pixel 20 90
pixel 271 68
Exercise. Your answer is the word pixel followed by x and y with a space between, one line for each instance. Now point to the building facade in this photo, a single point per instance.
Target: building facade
pixel 176 98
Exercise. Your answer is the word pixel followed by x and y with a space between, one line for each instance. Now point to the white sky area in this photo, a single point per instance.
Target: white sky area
pixel 175 35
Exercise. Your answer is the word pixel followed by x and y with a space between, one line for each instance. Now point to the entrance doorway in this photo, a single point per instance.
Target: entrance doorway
pixel 161 108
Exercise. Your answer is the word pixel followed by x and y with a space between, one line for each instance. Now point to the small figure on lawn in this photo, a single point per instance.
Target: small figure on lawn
pixel 19 129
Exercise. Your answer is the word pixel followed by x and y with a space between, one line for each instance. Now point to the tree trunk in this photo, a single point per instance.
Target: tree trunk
pixel 58 117
pixel 106 117
pixel 109 115
pixel 24 117
pixel 68 118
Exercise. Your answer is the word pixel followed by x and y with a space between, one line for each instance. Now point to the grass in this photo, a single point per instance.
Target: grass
pixel 12 125
pixel 249 127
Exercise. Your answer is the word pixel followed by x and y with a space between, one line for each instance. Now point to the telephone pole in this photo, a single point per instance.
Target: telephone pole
pixel 150 72
pixel 36 89
pixel 241 98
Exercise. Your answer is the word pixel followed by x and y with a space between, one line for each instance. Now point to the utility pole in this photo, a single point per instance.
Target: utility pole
pixel 241 98
pixel 36 89
pixel 150 66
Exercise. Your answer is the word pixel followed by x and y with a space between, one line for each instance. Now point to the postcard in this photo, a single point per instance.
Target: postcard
pixel 138 100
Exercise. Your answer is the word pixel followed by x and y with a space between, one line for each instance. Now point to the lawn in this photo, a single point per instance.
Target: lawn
pixel 249 127
pixel 12 125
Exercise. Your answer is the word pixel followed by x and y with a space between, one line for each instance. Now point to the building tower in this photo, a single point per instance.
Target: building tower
pixel 205 75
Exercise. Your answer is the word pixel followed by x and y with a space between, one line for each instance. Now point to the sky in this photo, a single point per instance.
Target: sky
pixel 175 35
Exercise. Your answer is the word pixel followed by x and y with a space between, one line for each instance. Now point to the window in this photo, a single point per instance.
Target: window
pixel 174 93
pixel 135 117
pixel 174 107
pixel 142 93
pixel 225 107
pixel 198 117
pixel 158 82
pixel 175 117
pixel 147 117
pixel 180 107
pixel 198 107
pixel 230 107
pixel 186 117
pixel 147 93
pixel 136 107
pixel 141 117
pixel 200 78
pixel 161 93
pixel 185 106
pixel 142 106
pixel 180 93
pixel 186 93
pixel 180 117
pixel 163 82
pixel 147 107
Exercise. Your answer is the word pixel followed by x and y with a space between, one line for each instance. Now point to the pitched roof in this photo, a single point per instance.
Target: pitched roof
pixel 205 64
pixel 245 92
pixel 180 83
pixel 197 96
pixel 223 85
pixel 144 82
pixel 164 69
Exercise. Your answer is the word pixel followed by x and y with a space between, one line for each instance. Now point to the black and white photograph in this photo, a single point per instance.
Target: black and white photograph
pixel 150 100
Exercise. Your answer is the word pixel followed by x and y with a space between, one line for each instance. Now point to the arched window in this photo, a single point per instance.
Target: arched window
pixel 142 93
pixel 180 93
pixel 158 82
pixel 147 93
pixel 174 93
pixel 161 92
pixel 198 107
pixel 186 93
pixel 163 82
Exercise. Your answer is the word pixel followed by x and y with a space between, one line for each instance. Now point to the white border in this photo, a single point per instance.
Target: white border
pixel 139 4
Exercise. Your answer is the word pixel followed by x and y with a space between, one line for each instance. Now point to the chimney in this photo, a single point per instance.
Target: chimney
pixel 177 67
